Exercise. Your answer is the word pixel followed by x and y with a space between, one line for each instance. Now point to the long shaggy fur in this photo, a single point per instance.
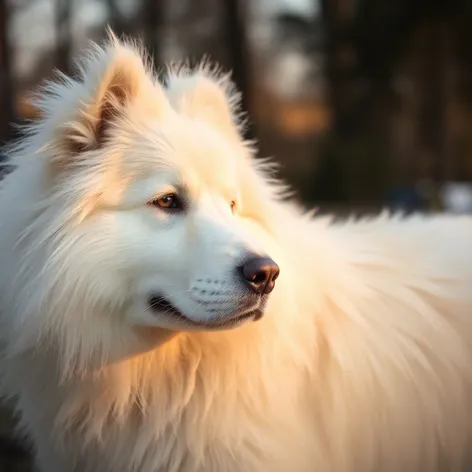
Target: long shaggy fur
pixel 362 362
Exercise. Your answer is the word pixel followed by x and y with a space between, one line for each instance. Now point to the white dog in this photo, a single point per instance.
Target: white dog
pixel 143 323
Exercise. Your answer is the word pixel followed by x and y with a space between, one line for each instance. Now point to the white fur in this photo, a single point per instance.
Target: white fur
pixel 362 362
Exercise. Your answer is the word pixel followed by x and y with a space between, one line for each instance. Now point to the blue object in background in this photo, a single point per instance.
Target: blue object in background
pixel 405 199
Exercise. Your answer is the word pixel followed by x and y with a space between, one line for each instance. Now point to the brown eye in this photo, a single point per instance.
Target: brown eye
pixel 233 206
pixel 167 202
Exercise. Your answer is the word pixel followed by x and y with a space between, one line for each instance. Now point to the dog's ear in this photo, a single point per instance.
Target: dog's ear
pixel 206 94
pixel 112 78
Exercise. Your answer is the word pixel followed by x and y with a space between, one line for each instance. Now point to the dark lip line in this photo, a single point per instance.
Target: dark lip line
pixel 169 309
pixel 229 322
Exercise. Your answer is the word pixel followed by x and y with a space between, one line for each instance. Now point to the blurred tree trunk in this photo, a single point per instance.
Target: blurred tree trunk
pixel 115 20
pixel 234 25
pixel 118 23
pixel 63 34
pixel 6 85
pixel 328 20
pixel 330 180
pixel 432 124
pixel 339 49
pixel 153 12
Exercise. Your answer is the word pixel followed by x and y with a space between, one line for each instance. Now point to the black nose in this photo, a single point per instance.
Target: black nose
pixel 260 273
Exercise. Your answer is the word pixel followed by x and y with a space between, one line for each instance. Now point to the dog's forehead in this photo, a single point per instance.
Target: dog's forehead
pixel 196 152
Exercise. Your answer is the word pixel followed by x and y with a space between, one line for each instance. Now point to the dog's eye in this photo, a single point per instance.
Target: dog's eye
pixel 233 206
pixel 167 202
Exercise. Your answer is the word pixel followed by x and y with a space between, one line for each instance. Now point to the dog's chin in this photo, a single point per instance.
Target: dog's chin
pixel 172 317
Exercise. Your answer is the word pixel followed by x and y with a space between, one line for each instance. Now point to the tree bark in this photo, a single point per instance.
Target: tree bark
pixel 236 39
pixel 153 12
pixel 432 118
pixel 6 83
pixel 63 35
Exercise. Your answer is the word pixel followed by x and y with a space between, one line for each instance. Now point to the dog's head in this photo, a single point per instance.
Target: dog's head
pixel 151 211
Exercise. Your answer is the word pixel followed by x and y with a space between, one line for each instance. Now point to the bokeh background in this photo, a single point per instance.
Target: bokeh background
pixel 364 103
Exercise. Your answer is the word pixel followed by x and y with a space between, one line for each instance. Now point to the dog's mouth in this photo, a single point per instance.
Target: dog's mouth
pixel 160 305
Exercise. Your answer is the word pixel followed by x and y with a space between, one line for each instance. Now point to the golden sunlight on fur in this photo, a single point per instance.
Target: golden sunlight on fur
pixel 359 360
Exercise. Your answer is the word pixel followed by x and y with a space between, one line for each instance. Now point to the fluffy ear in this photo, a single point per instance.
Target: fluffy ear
pixel 206 94
pixel 111 78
